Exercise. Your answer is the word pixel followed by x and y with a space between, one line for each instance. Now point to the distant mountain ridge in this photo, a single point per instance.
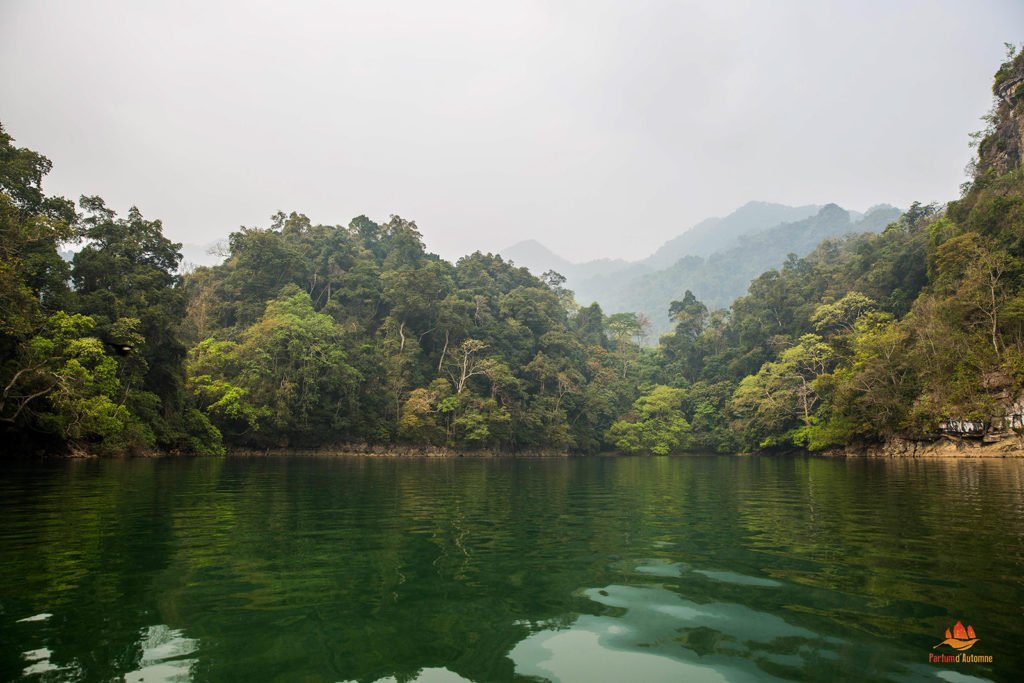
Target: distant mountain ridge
pixel 716 258
pixel 714 234
pixel 539 259
pixel 725 275
pixel 703 239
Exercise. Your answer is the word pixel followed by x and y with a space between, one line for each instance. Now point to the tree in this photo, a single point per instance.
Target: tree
pixel 785 393
pixel 841 317
pixel 33 276
pixel 467 363
pixel 689 315
pixel 588 325
pixel 287 381
pixel 212 368
pixel 413 295
pixel 624 329
pixel 973 273
pixel 67 386
pixel 128 269
pixel 875 392
pixel 656 424
pixel 681 349
pixel 421 414
pixel 476 421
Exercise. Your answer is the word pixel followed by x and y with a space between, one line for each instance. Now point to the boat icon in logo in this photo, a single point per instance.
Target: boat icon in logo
pixel 961 638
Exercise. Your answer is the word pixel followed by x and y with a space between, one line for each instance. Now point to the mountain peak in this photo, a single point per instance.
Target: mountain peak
pixel 880 207
pixel 833 212
pixel 527 244
pixel 535 256
pixel 530 248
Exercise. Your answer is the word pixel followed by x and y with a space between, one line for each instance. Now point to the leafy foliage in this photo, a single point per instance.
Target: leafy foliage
pixel 313 334
pixel 361 335
pixel 656 425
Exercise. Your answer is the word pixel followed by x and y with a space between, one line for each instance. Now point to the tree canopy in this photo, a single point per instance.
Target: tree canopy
pixel 311 335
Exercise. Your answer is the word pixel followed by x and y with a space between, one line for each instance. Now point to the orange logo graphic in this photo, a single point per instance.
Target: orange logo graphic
pixel 960 638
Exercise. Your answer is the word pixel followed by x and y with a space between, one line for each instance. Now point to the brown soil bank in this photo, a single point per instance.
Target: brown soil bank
pixel 1011 447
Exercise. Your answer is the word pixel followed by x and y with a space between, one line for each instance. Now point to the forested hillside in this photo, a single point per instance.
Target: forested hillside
pixel 310 335
pixel 306 335
pixel 875 336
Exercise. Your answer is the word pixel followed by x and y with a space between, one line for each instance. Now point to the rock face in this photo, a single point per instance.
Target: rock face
pixel 1001 149
pixel 1008 447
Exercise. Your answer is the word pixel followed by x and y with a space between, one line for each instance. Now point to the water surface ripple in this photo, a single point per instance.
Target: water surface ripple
pixel 447 570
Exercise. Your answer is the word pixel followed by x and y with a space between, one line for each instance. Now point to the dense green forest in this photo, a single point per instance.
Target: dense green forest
pixel 310 335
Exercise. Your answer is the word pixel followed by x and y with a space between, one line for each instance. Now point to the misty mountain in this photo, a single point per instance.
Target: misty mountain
pixel 716 258
pixel 715 234
pixel 703 239
pixel 539 259
pixel 725 275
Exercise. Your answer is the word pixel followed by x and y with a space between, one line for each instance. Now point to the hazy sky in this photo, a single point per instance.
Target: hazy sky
pixel 599 128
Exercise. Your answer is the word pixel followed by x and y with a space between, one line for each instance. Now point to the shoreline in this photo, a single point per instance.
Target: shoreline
pixel 396 451
pixel 951 448
pixel 946 448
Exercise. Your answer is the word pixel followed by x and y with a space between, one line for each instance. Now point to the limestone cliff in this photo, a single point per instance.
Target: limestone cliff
pixel 1001 148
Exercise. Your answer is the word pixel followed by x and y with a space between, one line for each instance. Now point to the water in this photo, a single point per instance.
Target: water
pixel 602 569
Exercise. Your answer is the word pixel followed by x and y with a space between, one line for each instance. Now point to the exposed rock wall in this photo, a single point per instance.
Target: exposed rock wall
pixel 1001 150
pixel 1010 447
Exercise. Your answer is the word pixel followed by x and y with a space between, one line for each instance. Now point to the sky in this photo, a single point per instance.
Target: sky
pixel 601 129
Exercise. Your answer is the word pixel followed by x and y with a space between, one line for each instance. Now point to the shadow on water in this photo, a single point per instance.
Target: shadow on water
pixel 362 569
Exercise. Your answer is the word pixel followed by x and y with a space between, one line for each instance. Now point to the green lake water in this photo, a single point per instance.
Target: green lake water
pixel 579 569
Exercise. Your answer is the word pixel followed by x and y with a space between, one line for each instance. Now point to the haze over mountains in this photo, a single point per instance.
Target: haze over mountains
pixel 716 258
